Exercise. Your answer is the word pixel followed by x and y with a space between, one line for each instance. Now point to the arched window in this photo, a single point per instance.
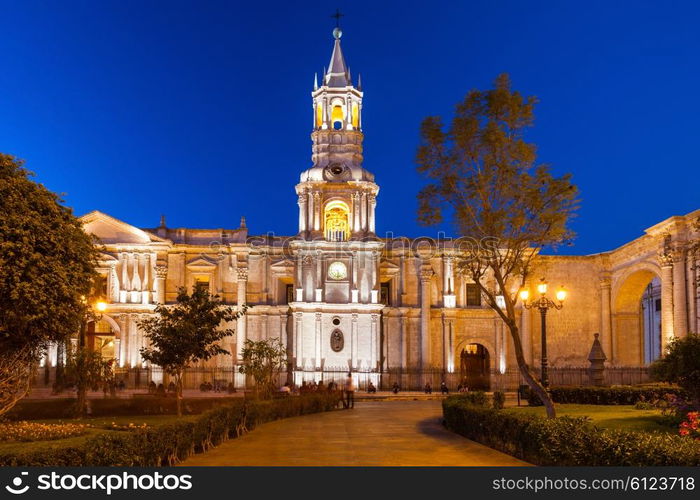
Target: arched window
pixel 355 115
pixel 337 117
pixel 336 221
pixel 319 115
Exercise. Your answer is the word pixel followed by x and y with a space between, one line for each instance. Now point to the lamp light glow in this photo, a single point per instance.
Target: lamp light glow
pixel 542 288
pixel 101 306
pixel 561 295
pixel 524 294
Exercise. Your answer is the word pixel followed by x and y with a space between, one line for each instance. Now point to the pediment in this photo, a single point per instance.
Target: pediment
pixel 113 231
pixel 201 263
pixel 386 266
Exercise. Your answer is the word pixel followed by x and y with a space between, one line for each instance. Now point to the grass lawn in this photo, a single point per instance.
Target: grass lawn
pixel 100 425
pixel 608 417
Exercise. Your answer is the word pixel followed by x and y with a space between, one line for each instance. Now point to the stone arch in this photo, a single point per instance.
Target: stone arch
pixel 627 324
pixel 474 368
pixel 113 324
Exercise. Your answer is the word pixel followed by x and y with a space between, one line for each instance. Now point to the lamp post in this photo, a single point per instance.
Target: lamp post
pixel 543 303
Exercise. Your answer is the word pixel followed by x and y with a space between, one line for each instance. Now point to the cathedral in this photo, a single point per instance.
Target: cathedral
pixel 343 299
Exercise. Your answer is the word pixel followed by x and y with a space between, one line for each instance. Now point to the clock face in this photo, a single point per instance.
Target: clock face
pixel 337 271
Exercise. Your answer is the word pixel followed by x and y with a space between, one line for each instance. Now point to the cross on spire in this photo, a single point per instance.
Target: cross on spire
pixel 337 17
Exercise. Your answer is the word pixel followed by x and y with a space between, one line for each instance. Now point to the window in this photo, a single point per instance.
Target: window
pixel 337 117
pixel 473 294
pixel 385 294
pixel 202 283
pixel 319 115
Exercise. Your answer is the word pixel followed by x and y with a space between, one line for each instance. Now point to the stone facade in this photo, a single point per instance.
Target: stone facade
pixel 341 298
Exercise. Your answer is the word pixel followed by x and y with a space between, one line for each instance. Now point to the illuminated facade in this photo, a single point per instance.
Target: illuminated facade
pixel 342 299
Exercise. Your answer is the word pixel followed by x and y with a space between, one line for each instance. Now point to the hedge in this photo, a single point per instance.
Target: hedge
pixel 171 443
pixel 617 395
pixel 43 409
pixel 566 441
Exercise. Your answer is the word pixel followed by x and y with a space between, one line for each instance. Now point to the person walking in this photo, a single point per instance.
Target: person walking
pixel 349 392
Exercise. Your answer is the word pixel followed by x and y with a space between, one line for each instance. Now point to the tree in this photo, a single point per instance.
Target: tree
pixel 85 368
pixel 483 174
pixel 263 360
pixel 187 332
pixel 47 264
pixel 681 365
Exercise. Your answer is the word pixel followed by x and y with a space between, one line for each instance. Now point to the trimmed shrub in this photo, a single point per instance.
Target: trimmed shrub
pixel 171 443
pixel 474 398
pixel 35 409
pixel 616 395
pixel 499 400
pixel 566 441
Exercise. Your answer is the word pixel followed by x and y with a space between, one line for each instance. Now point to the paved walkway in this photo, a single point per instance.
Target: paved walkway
pixel 373 433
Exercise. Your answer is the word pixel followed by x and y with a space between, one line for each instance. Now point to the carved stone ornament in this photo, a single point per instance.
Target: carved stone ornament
pixel 337 341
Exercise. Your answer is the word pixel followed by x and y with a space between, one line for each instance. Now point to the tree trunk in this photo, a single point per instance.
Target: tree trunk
pixel 178 392
pixel 81 410
pixel 532 382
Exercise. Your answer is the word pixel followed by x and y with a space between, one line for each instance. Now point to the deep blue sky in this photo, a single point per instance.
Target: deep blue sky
pixel 201 110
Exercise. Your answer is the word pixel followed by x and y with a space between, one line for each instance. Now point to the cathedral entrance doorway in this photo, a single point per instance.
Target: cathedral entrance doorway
pixel 474 367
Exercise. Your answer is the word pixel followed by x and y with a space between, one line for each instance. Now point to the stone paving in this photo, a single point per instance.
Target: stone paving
pixel 387 433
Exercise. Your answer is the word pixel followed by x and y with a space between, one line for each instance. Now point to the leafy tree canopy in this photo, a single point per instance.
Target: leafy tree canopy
pixel 681 365
pixel 47 262
pixel 187 331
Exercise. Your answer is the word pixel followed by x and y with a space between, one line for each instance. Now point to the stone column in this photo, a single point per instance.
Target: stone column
pixel 374 342
pixel 317 343
pixel 356 212
pixel 692 294
pixel 298 340
pixel 161 274
pixel 680 307
pixel 447 344
pixel 404 339
pixel 353 341
pixel 124 341
pixel 372 207
pixel 302 213
pixel 425 275
pixel 317 211
pixel 606 317
pixel 311 211
pixel 667 323
pixel 363 211
pixel 241 322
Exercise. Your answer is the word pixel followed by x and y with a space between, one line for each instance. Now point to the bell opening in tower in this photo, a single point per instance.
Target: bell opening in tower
pixel 337 221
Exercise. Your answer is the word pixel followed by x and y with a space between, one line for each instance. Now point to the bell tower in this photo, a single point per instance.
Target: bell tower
pixel 337 196
pixel 336 310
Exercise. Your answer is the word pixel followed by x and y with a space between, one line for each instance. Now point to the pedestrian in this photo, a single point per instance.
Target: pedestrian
pixel 443 388
pixel 395 388
pixel 349 392
pixel 428 388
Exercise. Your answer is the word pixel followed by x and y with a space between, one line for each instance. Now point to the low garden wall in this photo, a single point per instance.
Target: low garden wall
pixel 564 441
pixel 169 444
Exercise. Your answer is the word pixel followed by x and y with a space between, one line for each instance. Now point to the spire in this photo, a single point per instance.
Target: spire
pixel 315 81
pixel 162 221
pixel 359 82
pixel 337 75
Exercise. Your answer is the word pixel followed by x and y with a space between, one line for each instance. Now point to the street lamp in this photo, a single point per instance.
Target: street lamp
pixel 543 303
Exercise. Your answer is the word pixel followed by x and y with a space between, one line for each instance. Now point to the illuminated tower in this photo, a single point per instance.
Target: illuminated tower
pixel 336 310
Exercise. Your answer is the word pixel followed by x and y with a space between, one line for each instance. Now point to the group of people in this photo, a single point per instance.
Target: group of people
pixel 346 392
pixel 428 389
